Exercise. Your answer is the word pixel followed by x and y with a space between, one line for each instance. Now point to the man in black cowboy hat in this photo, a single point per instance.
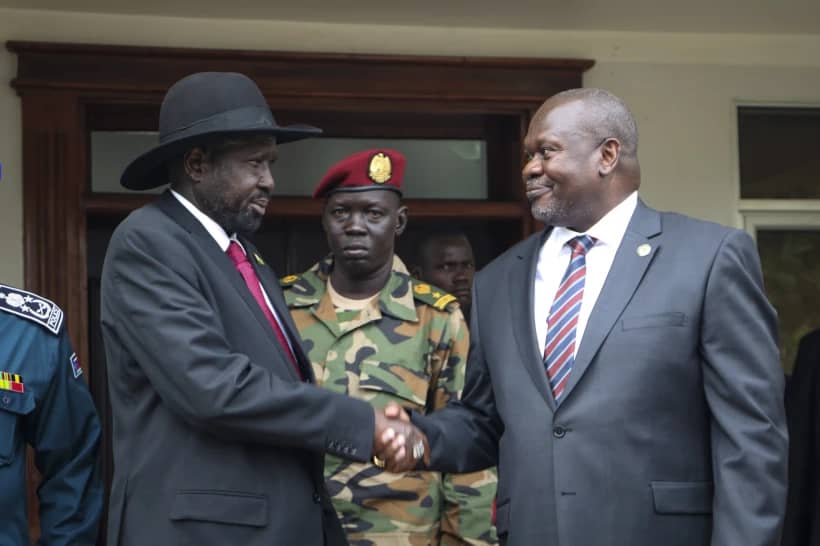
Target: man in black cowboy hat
pixel 218 429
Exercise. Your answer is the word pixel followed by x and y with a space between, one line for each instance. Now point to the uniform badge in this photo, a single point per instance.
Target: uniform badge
pixel 421 289
pixel 380 169
pixel 75 365
pixel 290 279
pixel 11 382
pixel 30 306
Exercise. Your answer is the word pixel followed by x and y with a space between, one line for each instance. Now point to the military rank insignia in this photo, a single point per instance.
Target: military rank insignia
pixel 427 294
pixel 75 365
pixel 11 382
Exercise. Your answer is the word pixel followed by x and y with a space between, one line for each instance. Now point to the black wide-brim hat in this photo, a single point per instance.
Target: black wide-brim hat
pixel 199 109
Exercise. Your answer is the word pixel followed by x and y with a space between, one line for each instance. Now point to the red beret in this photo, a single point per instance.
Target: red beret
pixel 380 169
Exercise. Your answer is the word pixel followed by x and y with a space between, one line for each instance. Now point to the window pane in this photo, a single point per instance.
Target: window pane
pixel 791 273
pixel 111 152
pixel 436 169
pixel 778 153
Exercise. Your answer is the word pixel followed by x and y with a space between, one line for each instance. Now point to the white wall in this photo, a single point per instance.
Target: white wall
pixel 688 127
pixel 681 87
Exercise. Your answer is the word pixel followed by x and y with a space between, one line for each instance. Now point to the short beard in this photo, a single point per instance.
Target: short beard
pixel 553 214
pixel 242 222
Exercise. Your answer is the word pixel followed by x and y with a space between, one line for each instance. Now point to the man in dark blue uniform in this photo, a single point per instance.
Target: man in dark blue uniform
pixel 45 403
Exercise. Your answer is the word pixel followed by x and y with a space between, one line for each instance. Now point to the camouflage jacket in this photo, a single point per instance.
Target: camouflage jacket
pixel 409 346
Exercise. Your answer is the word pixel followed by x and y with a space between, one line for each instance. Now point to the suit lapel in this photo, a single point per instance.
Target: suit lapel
pixel 174 209
pixel 270 283
pixel 623 279
pixel 521 284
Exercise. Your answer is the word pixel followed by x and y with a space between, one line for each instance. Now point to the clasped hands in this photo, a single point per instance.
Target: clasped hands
pixel 397 444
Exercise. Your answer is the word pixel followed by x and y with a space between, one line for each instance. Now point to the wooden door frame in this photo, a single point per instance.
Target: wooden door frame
pixel 59 83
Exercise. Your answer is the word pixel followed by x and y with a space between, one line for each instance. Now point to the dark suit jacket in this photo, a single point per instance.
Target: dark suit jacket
pixel 802 527
pixel 671 429
pixel 216 441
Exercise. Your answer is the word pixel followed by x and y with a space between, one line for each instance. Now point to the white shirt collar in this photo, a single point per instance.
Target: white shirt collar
pixel 609 230
pixel 555 255
pixel 216 231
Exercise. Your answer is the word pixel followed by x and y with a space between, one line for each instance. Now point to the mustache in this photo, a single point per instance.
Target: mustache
pixel 536 183
pixel 260 194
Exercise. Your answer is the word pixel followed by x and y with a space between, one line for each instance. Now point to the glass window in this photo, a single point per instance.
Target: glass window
pixel 111 152
pixel 436 169
pixel 791 273
pixel 778 152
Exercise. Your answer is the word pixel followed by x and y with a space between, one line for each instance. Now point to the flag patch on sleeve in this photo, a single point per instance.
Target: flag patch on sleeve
pixel 75 366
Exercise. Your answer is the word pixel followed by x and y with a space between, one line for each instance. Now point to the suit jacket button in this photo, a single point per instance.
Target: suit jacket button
pixel 559 432
pixel 317 498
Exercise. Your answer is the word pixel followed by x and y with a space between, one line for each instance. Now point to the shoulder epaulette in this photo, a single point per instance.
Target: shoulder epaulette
pixel 29 305
pixel 432 296
pixel 289 280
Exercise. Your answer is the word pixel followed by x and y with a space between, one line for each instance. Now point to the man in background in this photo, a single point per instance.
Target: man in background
pixel 445 259
pixel 802 524
pixel 374 333
pixel 45 404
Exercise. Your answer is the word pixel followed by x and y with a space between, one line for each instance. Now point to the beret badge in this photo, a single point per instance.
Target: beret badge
pixel 380 169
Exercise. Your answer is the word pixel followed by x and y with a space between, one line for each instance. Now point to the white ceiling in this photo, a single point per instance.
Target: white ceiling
pixel 710 16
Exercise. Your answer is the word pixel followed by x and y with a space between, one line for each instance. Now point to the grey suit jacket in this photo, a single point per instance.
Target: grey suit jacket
pixel 671 430
pixel 216 440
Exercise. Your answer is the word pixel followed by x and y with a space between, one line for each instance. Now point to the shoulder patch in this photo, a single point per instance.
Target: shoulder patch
pixel 29 305
pixel 432 296
pixel 289 280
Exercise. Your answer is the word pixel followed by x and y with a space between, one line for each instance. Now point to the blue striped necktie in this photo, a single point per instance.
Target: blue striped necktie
pixel 559 348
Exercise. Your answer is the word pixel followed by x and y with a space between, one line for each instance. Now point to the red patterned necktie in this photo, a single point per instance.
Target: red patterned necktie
pixel 559 349
pixel 240 260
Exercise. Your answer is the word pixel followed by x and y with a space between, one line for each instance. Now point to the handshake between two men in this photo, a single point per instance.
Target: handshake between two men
pixel 398 445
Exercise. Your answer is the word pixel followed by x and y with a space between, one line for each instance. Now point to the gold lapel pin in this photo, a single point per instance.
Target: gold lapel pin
pixel 258 259
pixel 644 250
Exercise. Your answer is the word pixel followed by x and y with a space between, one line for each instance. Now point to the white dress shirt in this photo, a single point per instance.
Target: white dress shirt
pixel 553 259
pixel 223 240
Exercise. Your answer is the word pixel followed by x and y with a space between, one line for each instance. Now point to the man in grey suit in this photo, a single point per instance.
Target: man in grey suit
pixel 623 370
pixel 219 431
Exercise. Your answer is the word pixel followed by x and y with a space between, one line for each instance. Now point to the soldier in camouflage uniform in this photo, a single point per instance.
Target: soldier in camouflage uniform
pixel 375 333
